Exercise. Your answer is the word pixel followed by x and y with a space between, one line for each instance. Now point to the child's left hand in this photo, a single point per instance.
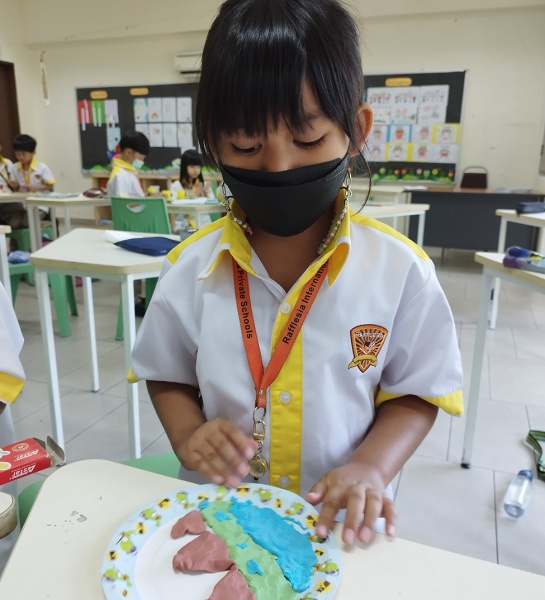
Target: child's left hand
pixel 360 489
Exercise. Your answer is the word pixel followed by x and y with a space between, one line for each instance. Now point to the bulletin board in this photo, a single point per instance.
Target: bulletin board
pixel 164 113
pixel 416 130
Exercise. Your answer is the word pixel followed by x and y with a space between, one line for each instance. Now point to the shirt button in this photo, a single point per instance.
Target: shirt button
pixel 286 307
pixel 284 481
pixel 285 397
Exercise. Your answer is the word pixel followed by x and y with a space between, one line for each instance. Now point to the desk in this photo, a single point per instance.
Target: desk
pixel 400 210
pixel 393 193
pixel 492 268
pixel 4 265
pixel 510 216
pixel 187 206
pixel 69 553
pixel 466 218
pixel 52 202
pixel 84 252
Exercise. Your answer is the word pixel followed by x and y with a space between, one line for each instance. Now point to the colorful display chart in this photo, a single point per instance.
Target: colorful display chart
pixel 416 131
pixel 164 113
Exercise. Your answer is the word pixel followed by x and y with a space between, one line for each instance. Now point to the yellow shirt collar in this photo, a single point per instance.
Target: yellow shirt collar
pixel 234 240
pixel 122 164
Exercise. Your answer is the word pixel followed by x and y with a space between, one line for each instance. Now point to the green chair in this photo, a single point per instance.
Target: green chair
pixel 143 215
pixel 22 236
pixel 163 464
pixel 62 291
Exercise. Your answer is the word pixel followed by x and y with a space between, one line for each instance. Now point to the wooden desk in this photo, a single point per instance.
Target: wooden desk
pixel 84 252
pixel 466 218
pixel 4 265
pixel 52 202
pixel 510 216
pixel 492 268
pixel 68 552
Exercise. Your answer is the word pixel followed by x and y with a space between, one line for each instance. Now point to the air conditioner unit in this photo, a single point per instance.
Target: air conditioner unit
pixel 188 64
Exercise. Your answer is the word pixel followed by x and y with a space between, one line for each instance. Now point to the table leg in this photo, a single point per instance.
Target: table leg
pixel 34 227
pixel 420 232
pixel 91 331
pixel 495 298
pixel 53 217
pixel 129 333
pixel 46 320
pixel 4 265
pixel 476 369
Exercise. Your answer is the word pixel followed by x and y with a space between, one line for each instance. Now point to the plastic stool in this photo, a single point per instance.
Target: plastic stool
pixel 62 290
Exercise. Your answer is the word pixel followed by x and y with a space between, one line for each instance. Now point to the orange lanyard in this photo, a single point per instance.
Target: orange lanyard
pixel 263 378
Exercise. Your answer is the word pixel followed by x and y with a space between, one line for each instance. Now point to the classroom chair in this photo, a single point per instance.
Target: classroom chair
pixel 474 177
pixel 62 291
pixel 143 215
pixel 21 236
pixel 163 464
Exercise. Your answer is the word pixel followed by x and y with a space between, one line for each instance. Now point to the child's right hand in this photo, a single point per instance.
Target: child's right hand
pixel 219 450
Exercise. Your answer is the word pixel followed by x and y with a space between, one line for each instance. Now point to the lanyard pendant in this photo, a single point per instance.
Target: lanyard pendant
pixel 258 465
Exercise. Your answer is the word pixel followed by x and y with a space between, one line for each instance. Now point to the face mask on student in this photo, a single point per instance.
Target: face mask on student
pixel 137 163
pixel 286 203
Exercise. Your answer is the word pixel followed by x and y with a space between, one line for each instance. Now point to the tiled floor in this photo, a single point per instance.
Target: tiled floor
pixel 439 503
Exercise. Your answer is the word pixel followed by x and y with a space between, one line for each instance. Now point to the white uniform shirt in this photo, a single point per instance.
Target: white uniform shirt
pixel 381 298
pixel 11 382
pixel 124 182
pixel 37 174
pixel 7 172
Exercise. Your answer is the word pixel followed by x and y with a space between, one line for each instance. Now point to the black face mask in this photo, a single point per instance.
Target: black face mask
pixel 286 202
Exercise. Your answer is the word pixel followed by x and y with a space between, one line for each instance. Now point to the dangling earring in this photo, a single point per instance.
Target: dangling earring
pixel 230 214
pixel 335 225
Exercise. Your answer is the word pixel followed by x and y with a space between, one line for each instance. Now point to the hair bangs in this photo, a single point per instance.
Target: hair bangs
pixel 258 82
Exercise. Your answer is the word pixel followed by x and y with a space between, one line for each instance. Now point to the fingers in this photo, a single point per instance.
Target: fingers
pixel 333 501
pixel 220 451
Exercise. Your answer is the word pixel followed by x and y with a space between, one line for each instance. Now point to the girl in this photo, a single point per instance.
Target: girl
pixel 293 340
pixel 191 179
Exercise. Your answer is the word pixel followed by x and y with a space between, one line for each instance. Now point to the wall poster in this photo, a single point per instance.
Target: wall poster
pixel 416 130
pixel 164 113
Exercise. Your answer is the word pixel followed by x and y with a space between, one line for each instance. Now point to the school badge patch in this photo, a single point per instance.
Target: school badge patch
pixel 367 341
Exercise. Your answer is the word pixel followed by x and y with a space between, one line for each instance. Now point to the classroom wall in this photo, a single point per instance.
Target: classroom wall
pixel 25 59
pixel 502 48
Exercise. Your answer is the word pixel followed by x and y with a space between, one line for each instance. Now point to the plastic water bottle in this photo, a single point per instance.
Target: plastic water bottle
pixel 518 494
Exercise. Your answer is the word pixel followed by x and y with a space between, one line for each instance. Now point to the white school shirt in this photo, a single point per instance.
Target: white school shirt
pixel 11 381
pixel 37 174
pixel 381 298
pixel 124 182
pixel 6 169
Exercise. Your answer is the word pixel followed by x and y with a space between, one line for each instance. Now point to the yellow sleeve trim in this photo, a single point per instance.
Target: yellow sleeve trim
pixel 50 182
pixel 10 387
pixel 453 404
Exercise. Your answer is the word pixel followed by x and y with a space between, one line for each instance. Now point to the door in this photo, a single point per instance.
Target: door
pixel 9 110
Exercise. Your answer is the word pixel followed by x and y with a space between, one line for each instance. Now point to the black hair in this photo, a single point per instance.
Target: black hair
pixel 257 57
pixel 190 157
pixel 24 143
pixel 135 140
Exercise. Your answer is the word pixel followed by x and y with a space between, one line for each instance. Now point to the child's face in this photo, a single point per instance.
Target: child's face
pixel 193 171
pixel 283 149
pixel 24 157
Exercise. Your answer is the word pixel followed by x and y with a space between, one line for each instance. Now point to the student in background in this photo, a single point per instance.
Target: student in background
pixel 134 147
pixel 191 179
pixel 6 173
pixel 29 175
pixel 345 401
pixel 12 378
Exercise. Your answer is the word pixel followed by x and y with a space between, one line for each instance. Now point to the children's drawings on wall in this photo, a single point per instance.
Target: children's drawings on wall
pixel 163 113
pixel 415 122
